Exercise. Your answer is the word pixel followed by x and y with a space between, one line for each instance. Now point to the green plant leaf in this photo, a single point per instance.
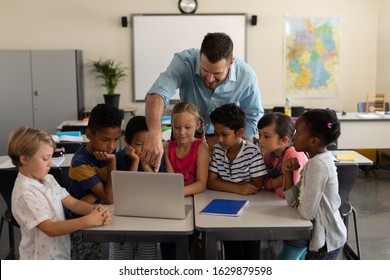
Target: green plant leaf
pixel 110 72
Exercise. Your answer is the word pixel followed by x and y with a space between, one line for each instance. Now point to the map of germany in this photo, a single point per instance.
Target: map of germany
pixel 312 56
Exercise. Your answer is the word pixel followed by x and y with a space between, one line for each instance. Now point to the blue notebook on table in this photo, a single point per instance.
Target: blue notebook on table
pixel 225 207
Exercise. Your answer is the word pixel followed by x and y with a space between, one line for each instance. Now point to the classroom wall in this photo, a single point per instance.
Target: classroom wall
pixel 383 53
pixel 94 27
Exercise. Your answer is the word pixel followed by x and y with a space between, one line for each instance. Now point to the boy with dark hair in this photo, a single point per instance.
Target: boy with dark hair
pixel 128 159
pixel 91 165
pixel 90 170
pixel 237 166
pixel 134 136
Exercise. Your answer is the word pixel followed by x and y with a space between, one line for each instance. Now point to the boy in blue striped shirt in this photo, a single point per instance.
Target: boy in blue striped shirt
pixel 237 166
pixel 90 170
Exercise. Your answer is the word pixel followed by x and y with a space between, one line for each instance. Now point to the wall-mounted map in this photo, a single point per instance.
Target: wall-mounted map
pixel 312 56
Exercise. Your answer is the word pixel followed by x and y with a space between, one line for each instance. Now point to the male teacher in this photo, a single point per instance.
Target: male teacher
pixel 208 78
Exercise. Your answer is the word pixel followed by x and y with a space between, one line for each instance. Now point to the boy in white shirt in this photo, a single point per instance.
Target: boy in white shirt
pixel 237 166
pixel 38 200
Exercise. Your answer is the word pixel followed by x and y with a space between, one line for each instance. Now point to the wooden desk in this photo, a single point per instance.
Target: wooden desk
pixel 371 132
pixel 124 229
pixel 266 217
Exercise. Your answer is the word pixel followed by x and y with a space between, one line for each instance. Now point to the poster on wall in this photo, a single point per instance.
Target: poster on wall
pixel 311 56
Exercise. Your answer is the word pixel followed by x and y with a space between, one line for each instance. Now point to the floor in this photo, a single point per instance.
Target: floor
pixel 371 199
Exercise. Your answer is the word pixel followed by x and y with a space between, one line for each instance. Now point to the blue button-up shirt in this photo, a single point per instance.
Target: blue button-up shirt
pixel 239 87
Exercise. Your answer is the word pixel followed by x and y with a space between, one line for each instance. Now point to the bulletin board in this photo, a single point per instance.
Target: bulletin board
pixel 157 37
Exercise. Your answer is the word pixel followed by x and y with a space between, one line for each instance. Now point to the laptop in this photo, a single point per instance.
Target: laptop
pixel 144 194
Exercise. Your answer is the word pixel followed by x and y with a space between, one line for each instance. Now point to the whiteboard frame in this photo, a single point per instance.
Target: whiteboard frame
pixel 148 63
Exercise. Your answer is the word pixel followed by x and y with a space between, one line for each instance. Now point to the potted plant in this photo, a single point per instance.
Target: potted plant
pixel 110 73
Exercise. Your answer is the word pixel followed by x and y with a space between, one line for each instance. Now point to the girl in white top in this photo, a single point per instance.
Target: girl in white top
pixel 38 200
pixel 316 194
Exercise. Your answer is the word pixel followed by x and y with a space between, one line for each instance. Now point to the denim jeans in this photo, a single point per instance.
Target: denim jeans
pixel 323 254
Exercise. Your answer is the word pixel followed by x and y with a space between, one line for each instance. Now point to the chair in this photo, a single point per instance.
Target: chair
pixel 361 106
pixel 7 179
pixel 122 113
pixel 347 175
pixel 332 146
pixel 383 159
pixel 296 111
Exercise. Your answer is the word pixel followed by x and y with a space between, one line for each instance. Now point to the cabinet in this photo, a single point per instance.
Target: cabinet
pixel 39 89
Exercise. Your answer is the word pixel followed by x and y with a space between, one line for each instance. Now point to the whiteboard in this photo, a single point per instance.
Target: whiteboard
pixel 156 38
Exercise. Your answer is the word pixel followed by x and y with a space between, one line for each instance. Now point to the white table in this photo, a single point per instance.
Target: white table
pixel 124 229
pixel 71 122
pixel 360 159
pixel 266 217
pixel 5 162
pixel 364 131
pixel 81 123
pixel 65 163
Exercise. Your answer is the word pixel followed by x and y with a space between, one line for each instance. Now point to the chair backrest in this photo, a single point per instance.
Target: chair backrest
pixel 332 146
pixel 347 175
pixel 7 182
pixel 70 147
pixel 80 128
pixel 57 174
pixel 122 113
pixel 278 109
pixel 296 111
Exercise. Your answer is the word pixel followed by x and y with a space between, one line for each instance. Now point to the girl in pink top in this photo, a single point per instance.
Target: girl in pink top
pixel 275 133
pixel 189 156
pixel 184 153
